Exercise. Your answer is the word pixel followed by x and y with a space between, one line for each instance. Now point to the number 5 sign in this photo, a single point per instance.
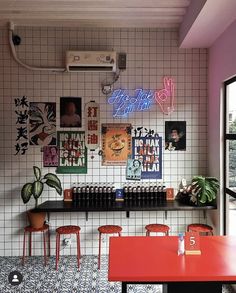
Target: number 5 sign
pixel 192 243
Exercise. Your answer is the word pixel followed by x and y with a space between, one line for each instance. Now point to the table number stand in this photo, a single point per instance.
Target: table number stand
pixel 192 243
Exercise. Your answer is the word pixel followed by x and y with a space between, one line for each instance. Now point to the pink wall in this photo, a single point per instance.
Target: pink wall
pixel 222 66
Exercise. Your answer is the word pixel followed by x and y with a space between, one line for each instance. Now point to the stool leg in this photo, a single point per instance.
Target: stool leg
pixel 99 252
pixel 30 243
pixel 44 249
pixel 119 234
pixel 24 247
pixel 147 233
pixel 49 244
pixel 78 249
pixel 57 249
pixel 167 233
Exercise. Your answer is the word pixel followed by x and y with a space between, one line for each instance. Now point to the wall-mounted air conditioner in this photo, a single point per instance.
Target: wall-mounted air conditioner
pixel 101 61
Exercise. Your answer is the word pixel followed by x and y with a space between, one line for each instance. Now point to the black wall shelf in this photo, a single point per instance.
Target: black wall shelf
pixel 53 206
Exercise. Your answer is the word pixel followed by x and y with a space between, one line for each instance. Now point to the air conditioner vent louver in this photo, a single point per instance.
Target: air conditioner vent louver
pixel 98 61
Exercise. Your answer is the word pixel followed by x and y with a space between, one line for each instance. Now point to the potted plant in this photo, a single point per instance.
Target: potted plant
pixel 36 188
pixel 202 191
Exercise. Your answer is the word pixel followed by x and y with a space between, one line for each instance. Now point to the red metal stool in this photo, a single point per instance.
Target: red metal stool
pixel 67 230
pixel 200 228
pixel 30 230
pixel 107 229
pixel 157 228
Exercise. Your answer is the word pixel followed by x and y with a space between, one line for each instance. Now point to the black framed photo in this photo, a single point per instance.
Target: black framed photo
pixel 70 112
pixel 175 135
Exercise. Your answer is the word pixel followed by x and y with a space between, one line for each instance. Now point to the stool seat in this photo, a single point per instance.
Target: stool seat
pixel 200 228
pixel 109 229
pixel 106 229
pixel 157 228
pixel 32 229
pixel 28 230
pixel 68 229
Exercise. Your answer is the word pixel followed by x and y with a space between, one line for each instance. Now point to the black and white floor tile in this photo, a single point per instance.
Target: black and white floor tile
pixel 40 279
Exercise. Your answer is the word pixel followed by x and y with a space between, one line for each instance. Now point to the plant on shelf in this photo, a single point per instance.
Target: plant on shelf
pixel 36 188
pixel 202 191
pixel 205 188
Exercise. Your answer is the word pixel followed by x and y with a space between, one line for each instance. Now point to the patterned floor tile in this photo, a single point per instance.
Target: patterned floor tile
pixel 40 279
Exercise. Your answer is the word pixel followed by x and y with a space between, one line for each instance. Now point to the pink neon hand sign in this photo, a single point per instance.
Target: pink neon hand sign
pixel 165 97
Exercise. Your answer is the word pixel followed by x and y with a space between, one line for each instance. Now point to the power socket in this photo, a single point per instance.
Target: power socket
pixel 67 242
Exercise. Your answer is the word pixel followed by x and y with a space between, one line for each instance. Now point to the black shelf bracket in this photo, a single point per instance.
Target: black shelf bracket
pixel 165 215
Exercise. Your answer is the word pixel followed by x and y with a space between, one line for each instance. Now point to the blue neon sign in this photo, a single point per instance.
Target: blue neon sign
pixel 142 100
pixel 124 103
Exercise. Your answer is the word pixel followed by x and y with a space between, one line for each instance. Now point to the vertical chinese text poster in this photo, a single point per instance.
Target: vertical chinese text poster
pixel 72 152
pixel 116 143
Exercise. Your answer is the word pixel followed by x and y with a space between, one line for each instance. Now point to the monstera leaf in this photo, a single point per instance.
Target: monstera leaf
pixel 205 188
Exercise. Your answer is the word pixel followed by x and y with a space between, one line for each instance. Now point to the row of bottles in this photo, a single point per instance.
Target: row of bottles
pixel 144 193
pixel 93 193
pixel 101 194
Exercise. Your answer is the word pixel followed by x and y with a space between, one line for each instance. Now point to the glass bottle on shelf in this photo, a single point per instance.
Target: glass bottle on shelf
pixel 113 191
pixel 83 193
pixel 78 194
pixel 125 192
pixel 74 193
pixel 96 193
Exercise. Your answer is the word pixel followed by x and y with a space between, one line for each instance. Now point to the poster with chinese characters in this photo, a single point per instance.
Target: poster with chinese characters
pixel 116 143
pixel 22 116
pixel 42 123
pixel 147 148
pixel 92 118
pixel 72 152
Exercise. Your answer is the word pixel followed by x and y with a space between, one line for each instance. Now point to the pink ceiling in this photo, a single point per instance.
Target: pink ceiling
pixel 205 21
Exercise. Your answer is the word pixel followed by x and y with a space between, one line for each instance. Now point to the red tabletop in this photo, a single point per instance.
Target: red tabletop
pixel 155 259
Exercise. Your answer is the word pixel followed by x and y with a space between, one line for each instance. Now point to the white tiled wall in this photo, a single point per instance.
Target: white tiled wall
pixel 151 54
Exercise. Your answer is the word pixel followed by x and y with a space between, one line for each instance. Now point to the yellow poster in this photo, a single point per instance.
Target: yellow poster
pixel 116 143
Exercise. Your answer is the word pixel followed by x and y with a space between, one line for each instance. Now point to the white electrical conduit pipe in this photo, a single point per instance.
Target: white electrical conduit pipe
pixel 34 68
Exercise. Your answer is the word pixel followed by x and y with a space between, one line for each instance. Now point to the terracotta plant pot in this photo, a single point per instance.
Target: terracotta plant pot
pixel 36 220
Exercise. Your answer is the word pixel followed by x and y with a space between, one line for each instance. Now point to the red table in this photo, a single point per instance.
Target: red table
pixel 155 260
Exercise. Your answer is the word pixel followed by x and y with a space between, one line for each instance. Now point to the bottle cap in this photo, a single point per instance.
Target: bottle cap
pixel 181 236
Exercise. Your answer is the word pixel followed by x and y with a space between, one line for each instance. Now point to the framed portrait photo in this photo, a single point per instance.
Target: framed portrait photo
pixel 70 112
pixel 175 135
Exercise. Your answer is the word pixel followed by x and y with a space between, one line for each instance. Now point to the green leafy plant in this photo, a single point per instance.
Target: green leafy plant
pixel 36 188
pixel 205 188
